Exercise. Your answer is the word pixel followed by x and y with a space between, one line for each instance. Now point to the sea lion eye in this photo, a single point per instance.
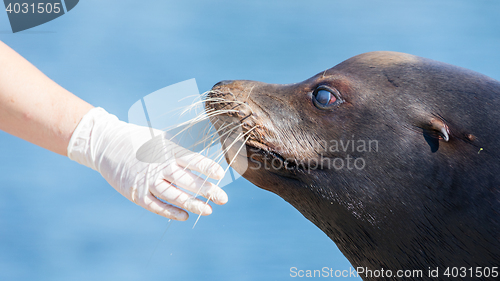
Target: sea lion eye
pixel 324 97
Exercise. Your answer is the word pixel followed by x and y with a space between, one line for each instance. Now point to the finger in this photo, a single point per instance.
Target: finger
pixel 197 162
pixel 187 180
pixel 153 204
pixel 166 191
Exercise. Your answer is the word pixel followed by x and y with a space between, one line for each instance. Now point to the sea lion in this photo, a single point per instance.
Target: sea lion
pixel 395 157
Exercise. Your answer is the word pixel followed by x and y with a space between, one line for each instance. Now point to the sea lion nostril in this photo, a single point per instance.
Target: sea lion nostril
pixel 222 83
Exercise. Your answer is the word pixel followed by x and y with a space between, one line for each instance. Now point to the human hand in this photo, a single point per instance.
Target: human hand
pixel 145 169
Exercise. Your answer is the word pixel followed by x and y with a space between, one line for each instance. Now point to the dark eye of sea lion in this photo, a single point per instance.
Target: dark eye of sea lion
pixel 325 98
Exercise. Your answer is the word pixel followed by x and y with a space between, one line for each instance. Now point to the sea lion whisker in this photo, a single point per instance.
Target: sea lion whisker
pixel 246 99
pixel 226 149
pixel 220 156
pixel 243 119
pixel 150 151
pixel 215 136
pixel 213 140
pixel 226 101
pixel 225 171
pixel 201 117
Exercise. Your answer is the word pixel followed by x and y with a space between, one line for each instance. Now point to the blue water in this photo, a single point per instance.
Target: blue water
pixel 61 221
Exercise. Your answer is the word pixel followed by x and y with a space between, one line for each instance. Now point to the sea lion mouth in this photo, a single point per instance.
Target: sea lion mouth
pixel 265 154
pixel 257 150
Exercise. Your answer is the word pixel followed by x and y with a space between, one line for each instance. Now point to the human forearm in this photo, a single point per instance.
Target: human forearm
pixel 35 108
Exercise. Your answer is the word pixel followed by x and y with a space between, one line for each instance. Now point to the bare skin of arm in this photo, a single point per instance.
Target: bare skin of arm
pixel 35 108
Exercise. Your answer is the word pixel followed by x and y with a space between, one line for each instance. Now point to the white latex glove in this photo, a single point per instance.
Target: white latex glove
pixel 110 146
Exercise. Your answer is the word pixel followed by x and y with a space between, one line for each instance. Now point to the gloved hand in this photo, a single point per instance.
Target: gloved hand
pixel 160 170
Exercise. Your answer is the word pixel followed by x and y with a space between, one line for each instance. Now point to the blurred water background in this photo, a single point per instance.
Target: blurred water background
pixel 62 221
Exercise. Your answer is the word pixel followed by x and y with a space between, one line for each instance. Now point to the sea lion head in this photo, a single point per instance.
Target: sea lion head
pixel 375 151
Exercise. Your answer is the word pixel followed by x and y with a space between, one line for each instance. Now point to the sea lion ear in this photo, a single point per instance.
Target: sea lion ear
pixel 434 130
pixel 441 128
